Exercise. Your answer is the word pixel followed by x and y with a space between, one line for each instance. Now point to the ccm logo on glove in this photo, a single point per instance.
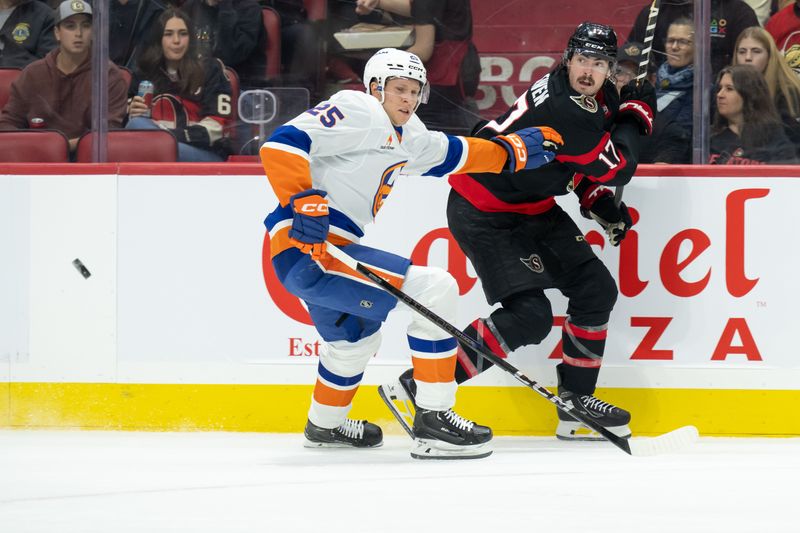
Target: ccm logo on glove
pixel 311 208
pixel 519 147
pixel 526 148
pixel 310 223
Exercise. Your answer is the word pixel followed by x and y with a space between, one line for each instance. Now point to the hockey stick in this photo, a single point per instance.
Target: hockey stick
pixel 668 442
pixel 641 73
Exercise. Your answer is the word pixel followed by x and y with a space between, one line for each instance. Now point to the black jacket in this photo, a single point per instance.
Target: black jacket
pixel 233 32
pixel 727 148
pixel 128 27
pixel 27 35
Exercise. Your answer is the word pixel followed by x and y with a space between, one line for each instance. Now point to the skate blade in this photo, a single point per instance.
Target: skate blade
pixel 314 444
pixel 440 450
pixel 398 402
pixel 571 430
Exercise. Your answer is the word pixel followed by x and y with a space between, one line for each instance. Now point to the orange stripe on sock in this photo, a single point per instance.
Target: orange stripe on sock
pixel 435 370
pixel 334 397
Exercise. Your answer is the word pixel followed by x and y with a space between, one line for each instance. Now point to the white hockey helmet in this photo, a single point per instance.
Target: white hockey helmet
pixel 393 63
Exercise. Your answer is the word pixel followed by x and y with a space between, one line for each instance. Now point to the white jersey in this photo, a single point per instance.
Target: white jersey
pixel 348 147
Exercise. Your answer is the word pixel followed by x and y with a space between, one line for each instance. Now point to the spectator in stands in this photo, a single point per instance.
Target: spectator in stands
pixel 627 66
pixel 728 19
pixel 443 40
pixel 343 67
pixel 669 142
pixel 57 89
pixel 747 129
pixel 784 26
pixel 301 52
pixel 762 9
pixel 675 77
pixel 26 32
pixel 232 31
pixel 191 98
pixel 755 47
pixel 128 24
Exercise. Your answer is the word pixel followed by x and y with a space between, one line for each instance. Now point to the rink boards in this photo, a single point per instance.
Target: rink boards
pixel 181 324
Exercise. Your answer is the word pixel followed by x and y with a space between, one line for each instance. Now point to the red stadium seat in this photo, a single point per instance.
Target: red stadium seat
pixel 33 146
pixel 132 146
pixel 272 25
pixel 7 76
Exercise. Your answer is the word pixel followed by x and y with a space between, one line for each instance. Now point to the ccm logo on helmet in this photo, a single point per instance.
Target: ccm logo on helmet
pixel 314 209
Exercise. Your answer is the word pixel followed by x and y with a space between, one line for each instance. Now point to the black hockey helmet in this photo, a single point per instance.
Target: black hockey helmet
pixel 593 39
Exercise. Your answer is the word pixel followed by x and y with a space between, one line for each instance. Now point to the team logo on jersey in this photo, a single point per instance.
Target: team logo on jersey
pixel 585 102
pixel 366 304
pixel 534 262
pixel 388 144
pixel 21 32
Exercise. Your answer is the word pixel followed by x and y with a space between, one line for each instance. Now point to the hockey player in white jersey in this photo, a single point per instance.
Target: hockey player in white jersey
pixel 332 168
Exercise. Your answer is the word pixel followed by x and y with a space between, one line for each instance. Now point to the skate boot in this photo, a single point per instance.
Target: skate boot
pixel 446 435
pixel 399 398
pixel 607 415
pixel 351 434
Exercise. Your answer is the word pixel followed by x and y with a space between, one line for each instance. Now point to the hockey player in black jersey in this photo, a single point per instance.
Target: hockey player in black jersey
pixel 521 242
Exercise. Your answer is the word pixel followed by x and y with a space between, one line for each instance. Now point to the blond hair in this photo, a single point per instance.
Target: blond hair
pixel 781 79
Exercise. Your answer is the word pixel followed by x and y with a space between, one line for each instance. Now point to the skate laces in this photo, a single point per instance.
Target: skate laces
pixel 596 404
pixel 353 429
pixel 458 421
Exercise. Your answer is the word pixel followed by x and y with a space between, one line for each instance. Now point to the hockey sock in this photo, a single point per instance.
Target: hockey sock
pixel 470 364
pixel 583 355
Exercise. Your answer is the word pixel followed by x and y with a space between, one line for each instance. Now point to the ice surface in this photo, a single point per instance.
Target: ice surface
pixel 115 482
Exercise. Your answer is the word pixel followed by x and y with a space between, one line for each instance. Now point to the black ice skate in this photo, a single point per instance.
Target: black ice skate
pixel 351 434
pixel 399 398
pixel 607 415
pixel 446 435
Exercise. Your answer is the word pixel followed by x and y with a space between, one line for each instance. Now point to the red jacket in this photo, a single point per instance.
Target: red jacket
pixel 63 101
pixel 784 26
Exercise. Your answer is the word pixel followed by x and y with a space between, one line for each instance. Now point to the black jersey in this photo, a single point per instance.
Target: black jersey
pixel 597 145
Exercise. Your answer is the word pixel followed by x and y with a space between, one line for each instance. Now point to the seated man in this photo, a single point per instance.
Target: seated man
pixel 56 90
pixel 26 32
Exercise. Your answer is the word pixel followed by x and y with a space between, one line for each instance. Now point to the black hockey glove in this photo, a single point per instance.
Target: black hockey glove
pixel 639 102
pixel 597 203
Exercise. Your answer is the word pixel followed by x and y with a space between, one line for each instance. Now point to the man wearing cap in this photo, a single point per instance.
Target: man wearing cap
pixel 56 89
pixel 669 143
pixel 26 32
pixel 628 59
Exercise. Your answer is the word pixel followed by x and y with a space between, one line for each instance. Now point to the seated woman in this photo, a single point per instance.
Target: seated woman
pixel 191 98
pixel 756 47
pixel 747 129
